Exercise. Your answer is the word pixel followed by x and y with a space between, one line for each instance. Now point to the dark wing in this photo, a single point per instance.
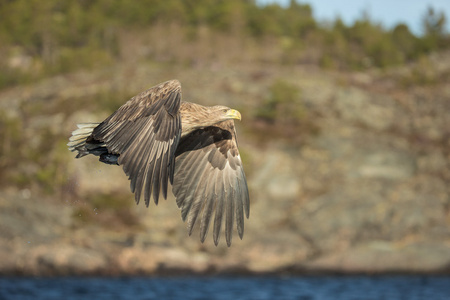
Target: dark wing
pixel 210 179
pixel 145 133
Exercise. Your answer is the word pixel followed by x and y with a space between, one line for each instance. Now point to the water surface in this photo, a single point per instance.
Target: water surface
pixel 311 288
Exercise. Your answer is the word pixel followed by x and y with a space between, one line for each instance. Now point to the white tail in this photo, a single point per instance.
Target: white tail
pixel 79 136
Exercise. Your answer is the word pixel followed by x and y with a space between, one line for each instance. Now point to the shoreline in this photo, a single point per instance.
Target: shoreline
pixel 181 272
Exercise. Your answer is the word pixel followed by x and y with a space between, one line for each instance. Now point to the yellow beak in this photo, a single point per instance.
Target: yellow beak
pixel 234 114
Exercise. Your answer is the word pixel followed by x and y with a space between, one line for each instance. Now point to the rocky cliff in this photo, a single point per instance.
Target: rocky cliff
pixel 358 183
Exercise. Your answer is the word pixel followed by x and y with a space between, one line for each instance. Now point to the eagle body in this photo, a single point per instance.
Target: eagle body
pixel 159 139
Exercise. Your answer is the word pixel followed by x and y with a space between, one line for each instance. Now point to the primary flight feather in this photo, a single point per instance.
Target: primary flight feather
pixel 157 138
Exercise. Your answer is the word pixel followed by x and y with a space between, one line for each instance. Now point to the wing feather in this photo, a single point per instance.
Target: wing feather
pixel 199 198
pixel 239 206
pixel 209 180
pixel 229 208
pixel 208 208
pixel 184 180
pixel 192 181
pixel 145 132
pixel 219 212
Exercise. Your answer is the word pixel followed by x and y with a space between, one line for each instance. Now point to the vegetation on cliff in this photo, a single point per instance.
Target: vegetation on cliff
pixel 45 38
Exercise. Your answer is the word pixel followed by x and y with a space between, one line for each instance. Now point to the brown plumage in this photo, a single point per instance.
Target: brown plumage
pixel 157 139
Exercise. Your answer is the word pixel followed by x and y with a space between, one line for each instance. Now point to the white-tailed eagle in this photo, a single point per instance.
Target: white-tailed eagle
pixel 157 138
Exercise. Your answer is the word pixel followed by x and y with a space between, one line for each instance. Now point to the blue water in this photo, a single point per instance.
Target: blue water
pixel 234 288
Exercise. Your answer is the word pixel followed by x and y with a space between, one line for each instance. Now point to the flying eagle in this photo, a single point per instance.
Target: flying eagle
pixel 156 137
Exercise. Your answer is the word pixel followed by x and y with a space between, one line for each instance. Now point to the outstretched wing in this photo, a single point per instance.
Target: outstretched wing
pixel 145 133
pixel 210 179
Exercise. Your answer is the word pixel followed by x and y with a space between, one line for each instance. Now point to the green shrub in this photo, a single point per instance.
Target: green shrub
pixel 284 115
pixel 283 104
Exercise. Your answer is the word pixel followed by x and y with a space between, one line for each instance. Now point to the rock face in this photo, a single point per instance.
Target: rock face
pixel 366 192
